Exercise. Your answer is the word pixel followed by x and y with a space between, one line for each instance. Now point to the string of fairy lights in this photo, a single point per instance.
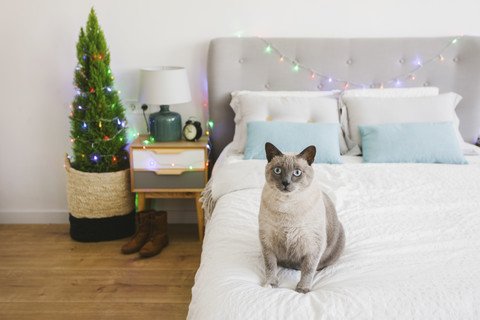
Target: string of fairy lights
pixel 395 81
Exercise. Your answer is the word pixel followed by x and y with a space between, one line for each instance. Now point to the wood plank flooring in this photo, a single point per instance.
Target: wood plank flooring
pixel 44 274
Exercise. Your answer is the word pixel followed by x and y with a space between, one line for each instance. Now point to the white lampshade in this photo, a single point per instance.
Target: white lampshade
pixel 164 86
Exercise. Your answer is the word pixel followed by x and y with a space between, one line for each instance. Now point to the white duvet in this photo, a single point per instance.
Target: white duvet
pixel 412 246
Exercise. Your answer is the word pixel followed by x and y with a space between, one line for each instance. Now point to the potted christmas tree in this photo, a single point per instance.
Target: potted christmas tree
pixel 100 203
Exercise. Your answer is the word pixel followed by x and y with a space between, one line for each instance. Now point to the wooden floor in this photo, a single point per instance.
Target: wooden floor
pixel 46 275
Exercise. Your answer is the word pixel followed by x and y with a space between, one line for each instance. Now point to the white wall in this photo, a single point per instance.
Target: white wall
pixel 37 60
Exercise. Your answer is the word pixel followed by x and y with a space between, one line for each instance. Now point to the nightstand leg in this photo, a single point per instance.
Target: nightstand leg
pixel 200 217
pixel 141 201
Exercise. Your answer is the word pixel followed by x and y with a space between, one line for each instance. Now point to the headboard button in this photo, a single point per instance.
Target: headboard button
pixel 426 84
pixel 241 61
pixel 349 61
pixel 401 61
pixel 267 85
pixel 455 59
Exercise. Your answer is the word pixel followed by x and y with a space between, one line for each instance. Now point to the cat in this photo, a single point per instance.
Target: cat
pixel 298 224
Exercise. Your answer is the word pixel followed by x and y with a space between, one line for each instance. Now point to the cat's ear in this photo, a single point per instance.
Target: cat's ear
pixel 308 154
pixel 271 151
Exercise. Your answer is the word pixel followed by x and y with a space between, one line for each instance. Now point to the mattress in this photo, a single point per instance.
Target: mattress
pixel 412 245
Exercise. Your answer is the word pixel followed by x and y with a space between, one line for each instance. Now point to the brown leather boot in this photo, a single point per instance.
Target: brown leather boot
pixel 158 237
pixel 143 232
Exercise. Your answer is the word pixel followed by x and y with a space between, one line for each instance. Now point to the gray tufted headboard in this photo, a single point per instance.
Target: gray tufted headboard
pixel 452 64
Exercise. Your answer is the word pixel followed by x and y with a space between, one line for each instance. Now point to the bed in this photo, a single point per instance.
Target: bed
pixel 404 175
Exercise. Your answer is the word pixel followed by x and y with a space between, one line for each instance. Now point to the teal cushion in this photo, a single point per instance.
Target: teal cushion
pixel 426 142
pixel 294 137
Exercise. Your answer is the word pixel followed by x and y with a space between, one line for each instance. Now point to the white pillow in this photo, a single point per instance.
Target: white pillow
pixel 379 110
pixel 354 149
pixel 290 106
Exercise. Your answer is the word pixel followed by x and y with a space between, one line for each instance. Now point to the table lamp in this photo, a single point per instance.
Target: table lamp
pixel 164 86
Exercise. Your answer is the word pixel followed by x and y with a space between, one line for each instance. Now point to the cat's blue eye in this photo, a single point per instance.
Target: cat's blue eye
pixel 297 173
pixel 277 170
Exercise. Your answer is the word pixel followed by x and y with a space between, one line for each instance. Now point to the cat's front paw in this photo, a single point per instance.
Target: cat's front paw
pixel 271 283
pixel 302 289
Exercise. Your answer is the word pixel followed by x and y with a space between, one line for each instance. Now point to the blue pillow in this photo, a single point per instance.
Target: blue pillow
pixel 294 137
pixel 426 142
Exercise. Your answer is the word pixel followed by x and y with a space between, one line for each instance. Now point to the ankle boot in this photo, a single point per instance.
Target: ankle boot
pixel 143 232
pixel 158 237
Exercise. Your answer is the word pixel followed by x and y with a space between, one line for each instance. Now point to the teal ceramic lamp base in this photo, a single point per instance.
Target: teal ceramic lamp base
pixel 165 125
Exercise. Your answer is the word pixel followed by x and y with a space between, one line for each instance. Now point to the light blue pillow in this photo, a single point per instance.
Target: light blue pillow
pixel 425 142
pixel 294 137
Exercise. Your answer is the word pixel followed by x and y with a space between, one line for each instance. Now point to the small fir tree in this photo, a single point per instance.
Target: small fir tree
pixel 97 121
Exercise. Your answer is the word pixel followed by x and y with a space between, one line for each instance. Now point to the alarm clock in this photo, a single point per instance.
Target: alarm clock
pixel 192 130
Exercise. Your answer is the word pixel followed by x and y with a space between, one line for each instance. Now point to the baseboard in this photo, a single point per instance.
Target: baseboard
pixel 61 217
pixel 38 216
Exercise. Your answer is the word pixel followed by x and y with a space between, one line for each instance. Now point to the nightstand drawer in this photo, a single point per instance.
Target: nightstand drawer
pixel 168 179
pixel 155 159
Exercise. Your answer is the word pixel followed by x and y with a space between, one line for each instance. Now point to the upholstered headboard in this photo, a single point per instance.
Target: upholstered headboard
pixel 450 63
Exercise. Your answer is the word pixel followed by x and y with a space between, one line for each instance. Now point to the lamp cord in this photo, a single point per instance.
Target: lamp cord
pixel 144 108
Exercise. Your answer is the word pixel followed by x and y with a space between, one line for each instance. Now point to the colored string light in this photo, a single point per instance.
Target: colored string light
pixel 396 81
pixel 95 157
pixel 97 141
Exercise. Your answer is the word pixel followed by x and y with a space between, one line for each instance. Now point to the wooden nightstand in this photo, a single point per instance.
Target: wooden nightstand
pixel 162 170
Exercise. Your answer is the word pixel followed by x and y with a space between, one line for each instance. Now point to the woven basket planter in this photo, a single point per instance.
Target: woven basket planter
pixel 101 205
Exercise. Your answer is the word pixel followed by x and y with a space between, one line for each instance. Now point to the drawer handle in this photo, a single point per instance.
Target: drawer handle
pixel 166 151
pixel 171 172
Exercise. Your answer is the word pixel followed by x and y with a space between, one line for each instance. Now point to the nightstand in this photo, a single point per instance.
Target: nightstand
pixel 177 169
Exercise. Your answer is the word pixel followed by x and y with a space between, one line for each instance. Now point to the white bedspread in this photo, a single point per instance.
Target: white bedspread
pixel 412 246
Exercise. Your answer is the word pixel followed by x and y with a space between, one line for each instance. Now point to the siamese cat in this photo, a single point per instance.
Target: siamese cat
pixel 298 224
